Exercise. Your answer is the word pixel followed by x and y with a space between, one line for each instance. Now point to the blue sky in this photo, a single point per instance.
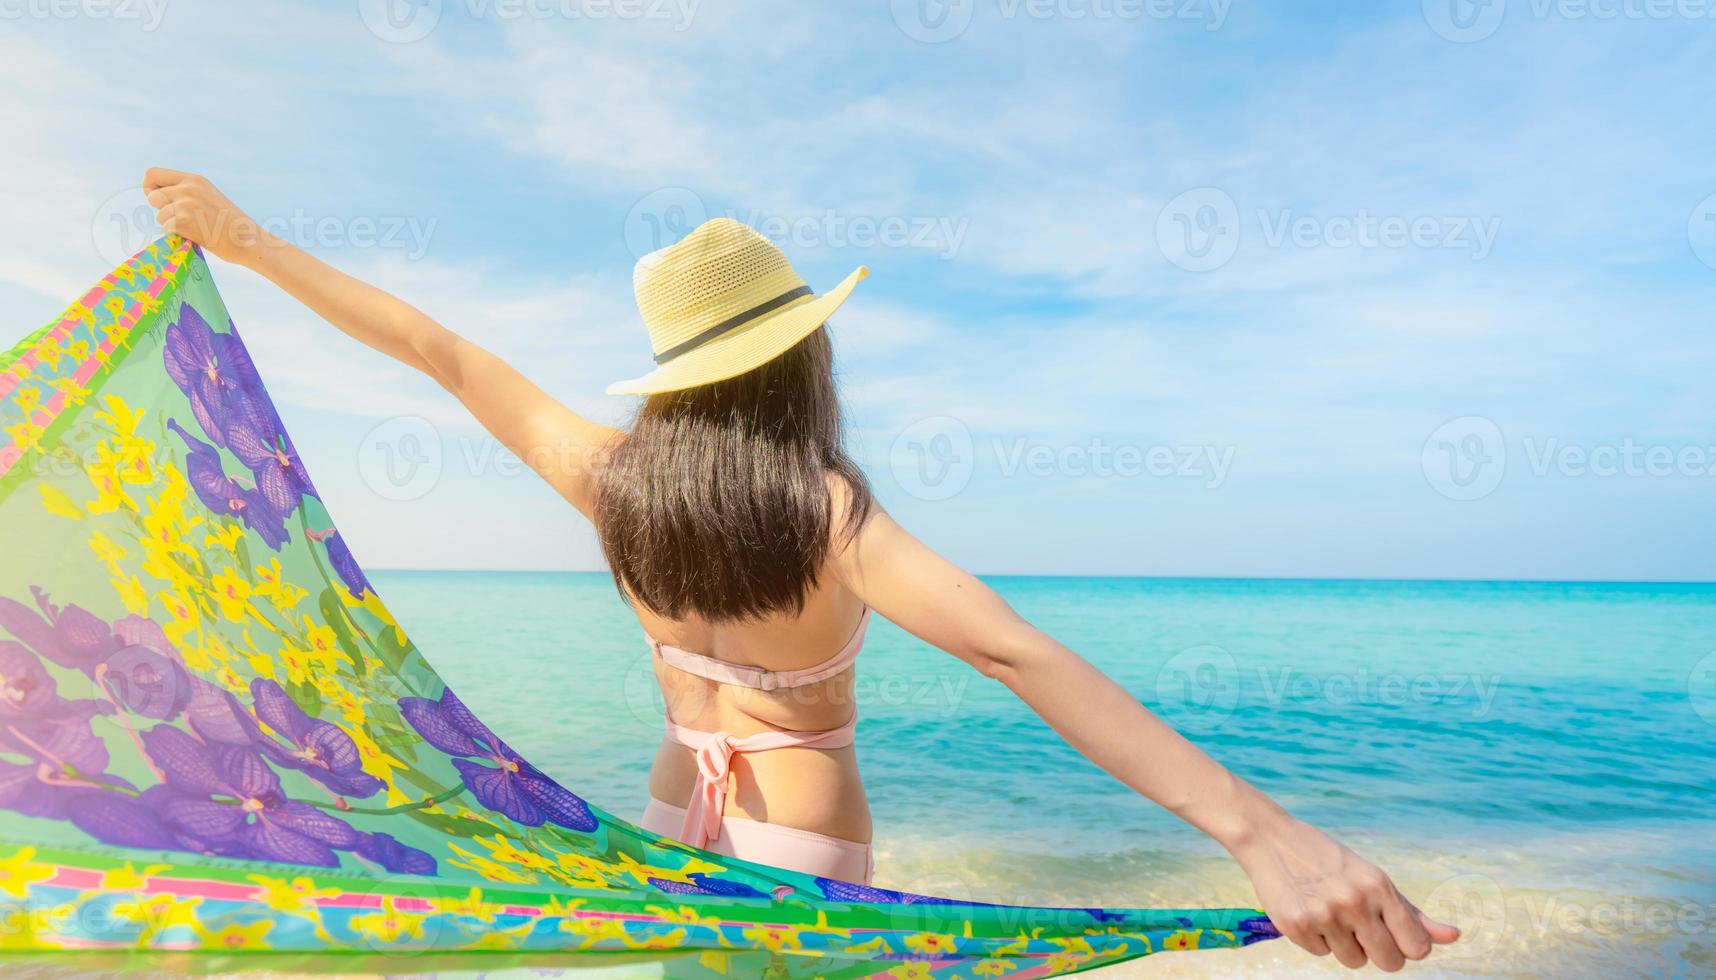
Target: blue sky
pixel 1188 288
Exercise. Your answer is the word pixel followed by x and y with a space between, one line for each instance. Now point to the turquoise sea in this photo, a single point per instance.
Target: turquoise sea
pixel 1534 761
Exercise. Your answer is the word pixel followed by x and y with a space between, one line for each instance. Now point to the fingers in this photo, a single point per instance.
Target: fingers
pixel 1302 934
pixel 1379 944
pixel 1345 946
pixel 167 218
pixel 1440 933
pixel 1406 924
pixel 158 177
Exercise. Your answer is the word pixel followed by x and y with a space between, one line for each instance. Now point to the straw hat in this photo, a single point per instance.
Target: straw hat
pixel 720 302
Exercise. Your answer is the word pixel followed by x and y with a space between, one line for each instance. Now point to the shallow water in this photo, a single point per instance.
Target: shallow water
pixel 1533 761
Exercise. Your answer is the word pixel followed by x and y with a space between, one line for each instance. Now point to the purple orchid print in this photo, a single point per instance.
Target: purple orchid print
pixel 62 752
pixel 702 884
pixel 255 435
pixel 346 567
pixel 511 785
pixel 228 797
pixel 212 369
pixel 319 749
pixel 222 494
pixel 227 399
pixel 394 857
pixel 131 660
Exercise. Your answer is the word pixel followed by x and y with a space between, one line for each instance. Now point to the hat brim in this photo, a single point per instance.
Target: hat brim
pixel 744 348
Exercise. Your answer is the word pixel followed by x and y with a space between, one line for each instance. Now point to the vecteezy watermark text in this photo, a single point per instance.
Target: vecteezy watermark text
pixel 149 13
pixel 664 216
pixel 1465 458
pixel 406 21
pixel 1202 229
pixel 938 21
pixel 934 459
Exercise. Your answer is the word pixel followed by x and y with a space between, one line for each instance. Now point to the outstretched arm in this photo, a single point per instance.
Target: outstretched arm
pixel 1320 894
pixel 559 444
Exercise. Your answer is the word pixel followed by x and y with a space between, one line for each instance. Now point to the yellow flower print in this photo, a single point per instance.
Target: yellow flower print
pixel 643 872
pixel 489 869
pixel 507 852
pixel 261 664
pixel 25 435
pixel 228 678
pixel 345 699
pixel 389 924
pixel 19 872
pixel 27 398
pixel 371 603
pixel 583 872
pixel 160 561
pixel 376 761
pixel 106 551
pixel 271 584
pixel 252 935
pixel 127 878
pixel 104 475
pixel 75 394
pixel 231 595
pixel 293 896
pixel 183 618
pixel 1182 939
pixel 324 645
pixel 993 968
pixel 471 906
pixel 775 939
pixel 55 502
pixel 131 451
pixel 132 593
pixel 931 942
pixel 226 534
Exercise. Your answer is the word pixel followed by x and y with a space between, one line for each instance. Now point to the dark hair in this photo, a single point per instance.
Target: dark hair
pixel 718 503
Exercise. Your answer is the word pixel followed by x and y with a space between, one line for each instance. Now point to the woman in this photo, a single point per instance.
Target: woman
pixel 750 548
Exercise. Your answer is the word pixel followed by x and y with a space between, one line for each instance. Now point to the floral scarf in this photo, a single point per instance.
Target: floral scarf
pixel 215 739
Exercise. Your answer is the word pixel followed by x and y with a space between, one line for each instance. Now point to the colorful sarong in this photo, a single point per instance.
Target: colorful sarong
pixel 215 739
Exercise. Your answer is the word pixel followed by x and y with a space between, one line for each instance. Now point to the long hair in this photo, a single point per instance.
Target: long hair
pixel 718 504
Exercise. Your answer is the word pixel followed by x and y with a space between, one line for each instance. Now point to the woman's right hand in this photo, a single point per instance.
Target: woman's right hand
pixel 1327 899
pixel 189 205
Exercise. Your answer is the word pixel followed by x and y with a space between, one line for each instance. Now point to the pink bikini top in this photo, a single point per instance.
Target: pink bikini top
pixel 715 750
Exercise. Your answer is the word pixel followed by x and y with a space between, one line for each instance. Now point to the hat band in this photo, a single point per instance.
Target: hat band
pixel 730 323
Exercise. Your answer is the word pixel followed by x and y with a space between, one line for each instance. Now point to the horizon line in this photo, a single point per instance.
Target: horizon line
pixel 1380 579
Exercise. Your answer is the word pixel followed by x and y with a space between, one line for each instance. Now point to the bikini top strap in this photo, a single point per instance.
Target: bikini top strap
pixel 741 675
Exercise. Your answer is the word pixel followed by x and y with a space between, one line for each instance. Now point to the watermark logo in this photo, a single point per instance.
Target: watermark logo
pixel 122 225
pixel 661 218
pixel 1464 21
pixel 1478 905
pixel 1465 458
pixel 933 21
pixel 1200 683
pixel 400 21
pixel 401 459
pixel 1199 229
pixel 933 458
pixel 1701 231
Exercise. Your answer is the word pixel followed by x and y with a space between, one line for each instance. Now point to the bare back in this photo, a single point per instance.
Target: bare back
pixel 808 788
